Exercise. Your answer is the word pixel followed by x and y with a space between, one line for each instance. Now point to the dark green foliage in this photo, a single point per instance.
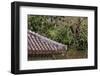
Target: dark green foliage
pixel 71 31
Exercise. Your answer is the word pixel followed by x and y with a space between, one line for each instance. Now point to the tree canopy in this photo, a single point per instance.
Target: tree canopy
pixel 68 30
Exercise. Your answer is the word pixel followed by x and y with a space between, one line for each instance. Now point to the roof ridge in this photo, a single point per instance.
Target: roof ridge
pixel 43 37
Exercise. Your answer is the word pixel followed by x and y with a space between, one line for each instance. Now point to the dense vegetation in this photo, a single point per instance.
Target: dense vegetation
pixel 71 31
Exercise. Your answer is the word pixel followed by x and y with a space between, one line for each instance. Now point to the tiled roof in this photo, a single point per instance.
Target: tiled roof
pixel 38 44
